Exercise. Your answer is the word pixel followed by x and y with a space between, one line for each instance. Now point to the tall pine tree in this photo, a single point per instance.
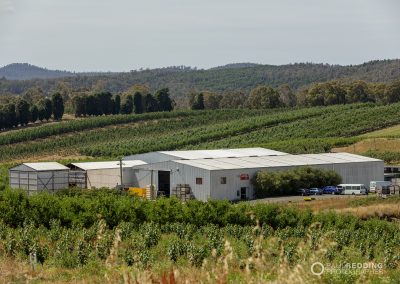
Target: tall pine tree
pixel 58 106
pixel 138 102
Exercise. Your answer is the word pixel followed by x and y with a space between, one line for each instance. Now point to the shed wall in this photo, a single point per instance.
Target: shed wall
pixel 43 180
pixel 23 180
pixel 183 174
pixel 362 173
pixel 52 180
pixel 108 178
pixel 180 174
pixel 142 178
pixel 231 190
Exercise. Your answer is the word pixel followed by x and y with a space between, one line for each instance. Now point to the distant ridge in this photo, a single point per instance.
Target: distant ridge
pixel 25 71
pixel 181 80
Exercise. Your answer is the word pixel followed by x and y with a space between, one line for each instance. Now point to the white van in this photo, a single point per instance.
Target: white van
pixel 374 185
pixel 352 189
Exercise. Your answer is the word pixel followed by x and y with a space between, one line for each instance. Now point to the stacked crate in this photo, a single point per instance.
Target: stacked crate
pixel 150 192
pixel 395 181
pixel 182 192
pixel 396 185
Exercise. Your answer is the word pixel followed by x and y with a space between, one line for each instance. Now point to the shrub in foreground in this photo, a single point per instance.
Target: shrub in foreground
pixel 288 182
pixel 83 208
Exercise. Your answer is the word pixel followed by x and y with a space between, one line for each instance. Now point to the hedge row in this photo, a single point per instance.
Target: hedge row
pixel 85 208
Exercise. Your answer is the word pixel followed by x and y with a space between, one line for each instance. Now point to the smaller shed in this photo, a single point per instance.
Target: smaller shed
pixel 102 174
pixel 39 176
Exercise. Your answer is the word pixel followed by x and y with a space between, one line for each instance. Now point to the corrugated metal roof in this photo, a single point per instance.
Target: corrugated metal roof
pixel 222 153
pixel 107 165
pixel 198 164
pixel 275 161
pixel 352 157
pixel 264 161
pixel 46 166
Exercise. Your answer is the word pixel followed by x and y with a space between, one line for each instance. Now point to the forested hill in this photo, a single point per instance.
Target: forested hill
pixel 25 71
pixel 182 80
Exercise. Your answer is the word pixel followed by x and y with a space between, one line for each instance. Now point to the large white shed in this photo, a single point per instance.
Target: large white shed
pixel 230 178
pixel 161 178
pixel 34 177
pixel 103 174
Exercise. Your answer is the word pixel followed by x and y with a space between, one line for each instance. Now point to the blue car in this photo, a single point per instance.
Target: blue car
pixel 315 191
pixel 331 190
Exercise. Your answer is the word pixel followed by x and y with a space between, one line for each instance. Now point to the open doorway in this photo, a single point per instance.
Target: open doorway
pixel 164 183
pixel 243 193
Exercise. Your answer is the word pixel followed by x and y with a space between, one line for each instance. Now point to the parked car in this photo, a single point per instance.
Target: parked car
pixel 331 189
pixel 315 191
pixel 303 192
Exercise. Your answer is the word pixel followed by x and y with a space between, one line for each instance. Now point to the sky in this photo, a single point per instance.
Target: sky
pixel 123 35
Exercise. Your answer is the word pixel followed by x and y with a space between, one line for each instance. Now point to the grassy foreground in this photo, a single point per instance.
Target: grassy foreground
pixel 102 236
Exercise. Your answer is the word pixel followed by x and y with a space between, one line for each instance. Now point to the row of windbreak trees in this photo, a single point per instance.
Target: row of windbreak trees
pixel 318 94
pixel 20 112
pixel 105 103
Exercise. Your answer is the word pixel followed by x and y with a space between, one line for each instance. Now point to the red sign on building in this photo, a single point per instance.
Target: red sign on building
pixel 244 177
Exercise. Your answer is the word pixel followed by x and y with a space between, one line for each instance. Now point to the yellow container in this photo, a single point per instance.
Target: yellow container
pixel 137 191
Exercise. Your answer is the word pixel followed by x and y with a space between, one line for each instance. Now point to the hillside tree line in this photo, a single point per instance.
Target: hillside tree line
pixel 318 94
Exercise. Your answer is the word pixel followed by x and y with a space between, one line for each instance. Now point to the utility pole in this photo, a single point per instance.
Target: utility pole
pixel 151 183
pixel 120 172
